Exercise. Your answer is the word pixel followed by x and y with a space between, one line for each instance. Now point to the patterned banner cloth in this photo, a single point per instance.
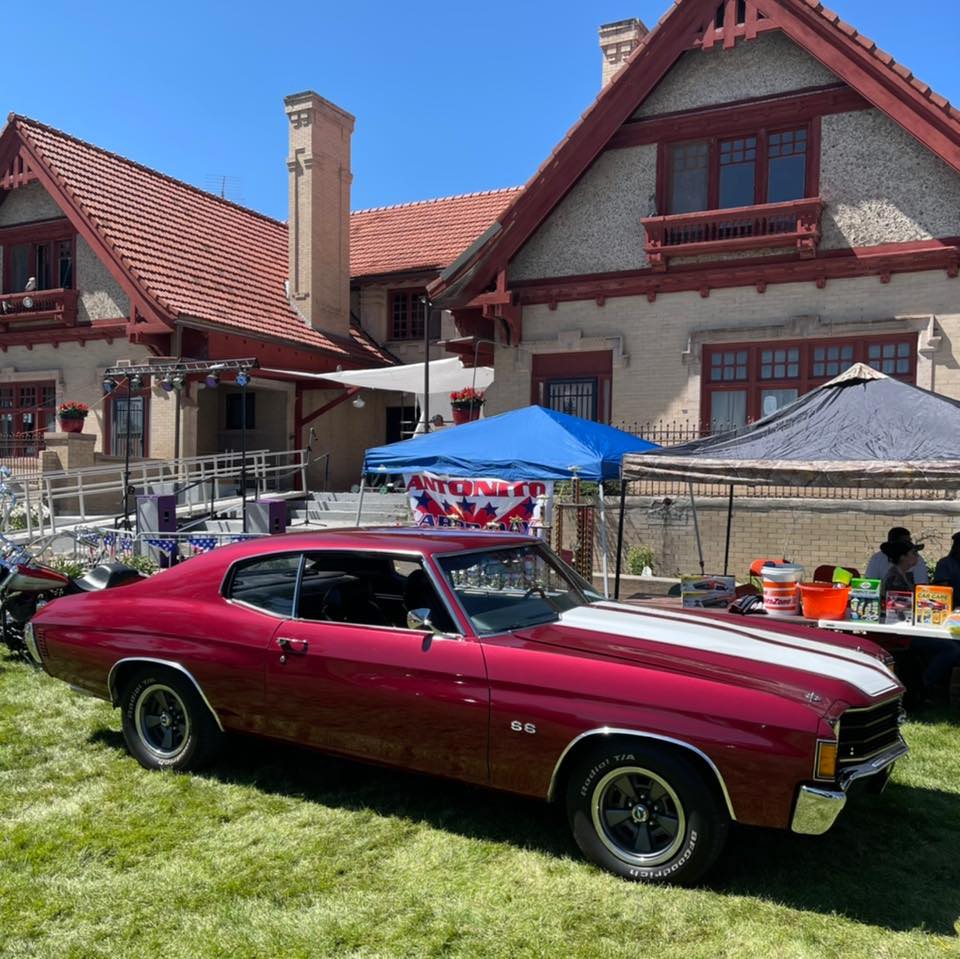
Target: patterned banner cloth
pixel 521 507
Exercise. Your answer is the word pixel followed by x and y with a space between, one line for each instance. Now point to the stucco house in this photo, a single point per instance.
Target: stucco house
pixel 104 261
pixel 758 197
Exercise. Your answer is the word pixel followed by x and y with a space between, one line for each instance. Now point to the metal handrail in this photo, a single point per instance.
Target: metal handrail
pixel 44 491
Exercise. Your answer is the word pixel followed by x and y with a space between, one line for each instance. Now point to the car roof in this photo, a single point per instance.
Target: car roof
pixel 393 539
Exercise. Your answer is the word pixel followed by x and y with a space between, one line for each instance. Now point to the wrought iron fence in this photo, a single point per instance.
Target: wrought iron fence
pixel 21 451
pixel 677 432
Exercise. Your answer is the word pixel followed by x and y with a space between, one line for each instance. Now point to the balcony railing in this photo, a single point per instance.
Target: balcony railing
pixel 38 308
pixel 794 223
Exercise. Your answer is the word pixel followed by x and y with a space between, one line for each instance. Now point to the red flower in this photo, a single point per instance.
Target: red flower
pixel 72 410
pixel 466 398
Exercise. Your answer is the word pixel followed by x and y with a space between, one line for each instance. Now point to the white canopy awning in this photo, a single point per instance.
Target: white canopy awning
pixel 446 376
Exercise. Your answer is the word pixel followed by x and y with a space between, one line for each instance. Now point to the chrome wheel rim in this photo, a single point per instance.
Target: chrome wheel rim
pixel 162 721
pixel 638 816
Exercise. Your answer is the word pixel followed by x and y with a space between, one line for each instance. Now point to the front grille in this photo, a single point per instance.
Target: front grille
pixel 867 732
pixel 40 638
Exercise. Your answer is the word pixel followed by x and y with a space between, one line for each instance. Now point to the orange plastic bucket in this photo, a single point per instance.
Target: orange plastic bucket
pixel 824 601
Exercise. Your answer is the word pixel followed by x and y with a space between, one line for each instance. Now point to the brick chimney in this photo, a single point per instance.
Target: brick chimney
pixel 617 41
pixel 319 224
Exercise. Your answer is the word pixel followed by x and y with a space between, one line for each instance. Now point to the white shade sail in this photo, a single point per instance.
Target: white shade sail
pixel 446 376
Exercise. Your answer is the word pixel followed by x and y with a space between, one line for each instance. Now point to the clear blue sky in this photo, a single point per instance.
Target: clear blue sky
pixel 450 97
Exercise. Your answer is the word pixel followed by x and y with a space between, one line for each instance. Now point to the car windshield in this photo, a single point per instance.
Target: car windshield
pixel 502 589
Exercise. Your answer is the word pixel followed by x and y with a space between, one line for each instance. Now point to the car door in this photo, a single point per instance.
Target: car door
pixel 380 691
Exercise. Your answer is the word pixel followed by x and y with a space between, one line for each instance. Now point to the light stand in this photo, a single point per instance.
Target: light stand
pixel 243 379
pixel 426 363
pixel 177 371
pixel 126 461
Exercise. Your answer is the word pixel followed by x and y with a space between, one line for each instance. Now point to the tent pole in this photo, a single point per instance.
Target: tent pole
pixel 696 529
pixel 603 543
pixel 623 499
pixel 726 547
pixel 363 484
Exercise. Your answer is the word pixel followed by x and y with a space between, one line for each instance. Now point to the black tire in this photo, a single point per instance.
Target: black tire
pixel 643 812
pixel 166 724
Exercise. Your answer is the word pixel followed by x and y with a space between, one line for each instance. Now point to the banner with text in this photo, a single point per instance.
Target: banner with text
pixel 522 506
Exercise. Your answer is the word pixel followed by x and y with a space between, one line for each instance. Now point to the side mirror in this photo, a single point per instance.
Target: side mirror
pixel 419 619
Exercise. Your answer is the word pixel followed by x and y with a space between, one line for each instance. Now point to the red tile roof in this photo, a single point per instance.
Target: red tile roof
pixel 428 235
pixel 904 73
pixel 204 257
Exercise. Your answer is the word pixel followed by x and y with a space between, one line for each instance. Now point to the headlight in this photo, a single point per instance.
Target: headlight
pixel 826 765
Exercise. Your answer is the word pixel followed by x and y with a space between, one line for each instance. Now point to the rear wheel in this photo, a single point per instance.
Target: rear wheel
pixel 166 724
pixel 645 813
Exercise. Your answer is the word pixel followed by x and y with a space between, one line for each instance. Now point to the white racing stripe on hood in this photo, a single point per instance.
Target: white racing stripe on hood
pixel 670 628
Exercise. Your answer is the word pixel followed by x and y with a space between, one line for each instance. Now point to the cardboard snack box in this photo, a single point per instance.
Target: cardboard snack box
pixel 898 608
pixel 704 592
pixel 864 603
pixel 933 605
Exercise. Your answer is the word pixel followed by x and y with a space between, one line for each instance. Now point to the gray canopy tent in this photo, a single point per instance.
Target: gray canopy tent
pixel 862 429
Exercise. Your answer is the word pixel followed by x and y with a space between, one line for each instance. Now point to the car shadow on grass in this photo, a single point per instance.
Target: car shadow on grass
pixel 891 861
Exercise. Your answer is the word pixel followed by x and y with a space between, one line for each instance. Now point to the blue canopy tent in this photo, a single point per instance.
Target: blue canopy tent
pixel 532 443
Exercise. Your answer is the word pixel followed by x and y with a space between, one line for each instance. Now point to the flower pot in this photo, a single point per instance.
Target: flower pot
pixel 466 414
pixel 71 424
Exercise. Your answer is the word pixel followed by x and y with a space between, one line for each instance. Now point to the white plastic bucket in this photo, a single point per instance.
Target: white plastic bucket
pixel 781 589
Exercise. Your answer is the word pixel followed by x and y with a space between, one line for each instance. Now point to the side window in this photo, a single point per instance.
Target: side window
pixel 367 589
pixel 269 583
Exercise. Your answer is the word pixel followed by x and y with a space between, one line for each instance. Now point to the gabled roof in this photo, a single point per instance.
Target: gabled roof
pixel 854 58
pixel 196 255
pixel 424 236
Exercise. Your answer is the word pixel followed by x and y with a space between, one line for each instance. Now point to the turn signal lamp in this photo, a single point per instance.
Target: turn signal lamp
pixel 826 759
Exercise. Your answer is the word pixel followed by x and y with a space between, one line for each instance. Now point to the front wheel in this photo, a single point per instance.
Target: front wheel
pixel 645 813
pixel 166 724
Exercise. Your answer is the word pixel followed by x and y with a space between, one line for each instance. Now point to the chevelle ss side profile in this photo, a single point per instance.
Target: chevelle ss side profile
pixel 482 657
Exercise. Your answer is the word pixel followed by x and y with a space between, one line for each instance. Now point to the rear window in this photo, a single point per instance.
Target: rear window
pixel 268 583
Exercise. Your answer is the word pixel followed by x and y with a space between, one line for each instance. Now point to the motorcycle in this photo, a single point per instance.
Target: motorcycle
pixel 26 584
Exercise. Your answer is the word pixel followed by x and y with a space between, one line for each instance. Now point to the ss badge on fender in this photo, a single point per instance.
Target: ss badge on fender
pixel 519 727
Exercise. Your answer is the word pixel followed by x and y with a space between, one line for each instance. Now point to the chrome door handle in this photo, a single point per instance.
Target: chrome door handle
pixel 289 645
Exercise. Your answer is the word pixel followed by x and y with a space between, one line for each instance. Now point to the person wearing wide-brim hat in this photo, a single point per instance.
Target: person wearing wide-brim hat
pixel 878 564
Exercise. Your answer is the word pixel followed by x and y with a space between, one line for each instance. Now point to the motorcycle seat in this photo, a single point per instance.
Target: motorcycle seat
pixel 107 576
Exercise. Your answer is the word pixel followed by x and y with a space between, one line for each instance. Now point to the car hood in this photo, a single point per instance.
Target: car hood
pixel 787 660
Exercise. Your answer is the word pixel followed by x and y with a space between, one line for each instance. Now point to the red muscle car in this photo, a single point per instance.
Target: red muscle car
pixel 482 657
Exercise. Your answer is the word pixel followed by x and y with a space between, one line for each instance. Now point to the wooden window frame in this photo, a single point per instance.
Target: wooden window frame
pixel 122 390
pixel 664 188
pixel 412 295
pixel 591 364
pixel 754 386
pixel 18 409
pixel 48 234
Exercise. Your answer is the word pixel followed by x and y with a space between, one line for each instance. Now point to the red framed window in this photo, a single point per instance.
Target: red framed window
pixel 752 167
pixel 578 384
pixel 26 410
pixel 120 405
pixel 45 252
pixel 743 382
pixel 405 311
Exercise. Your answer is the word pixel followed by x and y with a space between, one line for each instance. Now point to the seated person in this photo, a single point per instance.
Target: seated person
pixel 947 572
pixel 879 563
pixel 940 655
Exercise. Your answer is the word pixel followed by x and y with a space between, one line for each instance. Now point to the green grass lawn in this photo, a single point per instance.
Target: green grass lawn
pixel 282 852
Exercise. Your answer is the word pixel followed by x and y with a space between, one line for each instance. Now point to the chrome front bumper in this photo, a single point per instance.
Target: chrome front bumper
pixel 817 808
pixel 30 642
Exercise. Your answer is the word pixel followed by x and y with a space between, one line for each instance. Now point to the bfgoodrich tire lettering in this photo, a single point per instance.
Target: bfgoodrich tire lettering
pixel 645 813
pixel 166 725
